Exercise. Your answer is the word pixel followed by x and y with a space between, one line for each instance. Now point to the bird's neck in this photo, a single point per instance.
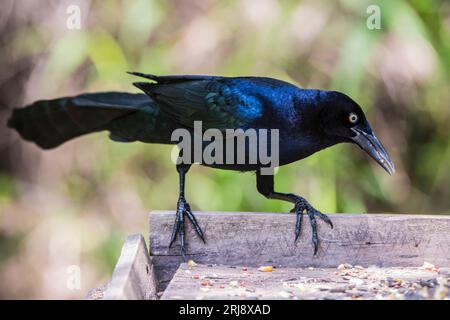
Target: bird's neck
pixel 304 134
pixel 309 106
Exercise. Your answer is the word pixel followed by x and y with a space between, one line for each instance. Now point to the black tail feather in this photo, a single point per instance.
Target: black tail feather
pixel 49 123
pixel 144 75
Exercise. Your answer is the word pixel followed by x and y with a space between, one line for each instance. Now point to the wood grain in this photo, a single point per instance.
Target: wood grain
pixel 133 277
pixel 255 239
pixel 223 282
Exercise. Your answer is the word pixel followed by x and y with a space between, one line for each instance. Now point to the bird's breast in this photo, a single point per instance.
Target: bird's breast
pixel 294 148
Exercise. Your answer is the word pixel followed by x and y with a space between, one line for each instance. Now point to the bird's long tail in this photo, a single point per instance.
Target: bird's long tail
pixel 49 123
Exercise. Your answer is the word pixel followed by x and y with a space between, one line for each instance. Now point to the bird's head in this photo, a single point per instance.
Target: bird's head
pixel 343 120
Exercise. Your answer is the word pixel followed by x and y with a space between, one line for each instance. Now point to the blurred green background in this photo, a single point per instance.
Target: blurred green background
pixel 73 206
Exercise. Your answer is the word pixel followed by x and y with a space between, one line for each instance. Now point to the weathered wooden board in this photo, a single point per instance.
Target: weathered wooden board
pixel 133 277
pixel 256 239
pixel 223 282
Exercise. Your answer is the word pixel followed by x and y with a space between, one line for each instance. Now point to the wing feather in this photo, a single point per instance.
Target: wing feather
pixel 216 101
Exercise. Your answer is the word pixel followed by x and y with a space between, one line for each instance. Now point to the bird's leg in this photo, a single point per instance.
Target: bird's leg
pixel 183 209
pixel 265 185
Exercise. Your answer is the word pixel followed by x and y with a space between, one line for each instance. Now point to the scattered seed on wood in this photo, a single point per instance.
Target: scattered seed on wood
pixel 191 263
pixel 355 283
pixel 429 267
pixel 265 269
pixel 233 283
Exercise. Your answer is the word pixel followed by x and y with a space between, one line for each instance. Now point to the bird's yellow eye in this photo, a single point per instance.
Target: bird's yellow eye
pixel 353 117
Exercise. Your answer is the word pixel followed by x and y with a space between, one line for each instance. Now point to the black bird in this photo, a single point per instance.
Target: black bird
pixel 308 121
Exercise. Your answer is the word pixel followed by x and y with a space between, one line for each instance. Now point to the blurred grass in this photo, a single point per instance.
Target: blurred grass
pixel 102 190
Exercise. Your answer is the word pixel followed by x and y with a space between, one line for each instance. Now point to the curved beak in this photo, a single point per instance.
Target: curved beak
pixel 371 144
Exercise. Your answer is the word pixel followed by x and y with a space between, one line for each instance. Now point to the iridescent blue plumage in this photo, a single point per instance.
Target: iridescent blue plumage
pixel 307 120
pixel 243 103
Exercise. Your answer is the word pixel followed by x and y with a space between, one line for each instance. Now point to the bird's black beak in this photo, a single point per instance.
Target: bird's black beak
pixel 370 143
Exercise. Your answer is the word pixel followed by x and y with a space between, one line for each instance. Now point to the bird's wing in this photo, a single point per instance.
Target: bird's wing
pixel 216 101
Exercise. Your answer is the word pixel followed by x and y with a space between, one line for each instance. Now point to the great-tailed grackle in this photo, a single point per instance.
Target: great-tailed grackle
pixel 308 121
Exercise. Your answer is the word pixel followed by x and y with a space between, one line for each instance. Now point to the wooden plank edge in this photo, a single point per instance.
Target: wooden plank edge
pixel 239 238
pixel 393 216
pixel 133 277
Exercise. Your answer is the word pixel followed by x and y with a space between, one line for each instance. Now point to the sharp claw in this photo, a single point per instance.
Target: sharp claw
pixel 298 225
pixel 194 222
pixel 315 242
pixel 324 217
pixel 182 242
pixel 302 205
pixel 183 209
pixel 175 230
pixel 183 253
pixel 172 240
pixel 316 246
pixel 200 233
pixel 315 239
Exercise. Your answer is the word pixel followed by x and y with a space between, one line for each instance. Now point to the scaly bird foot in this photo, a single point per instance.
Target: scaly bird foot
pixel 183 209
pixel 302 205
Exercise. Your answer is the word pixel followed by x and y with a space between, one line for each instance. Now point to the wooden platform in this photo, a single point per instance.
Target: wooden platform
pixel 223 282
pixel 257 239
